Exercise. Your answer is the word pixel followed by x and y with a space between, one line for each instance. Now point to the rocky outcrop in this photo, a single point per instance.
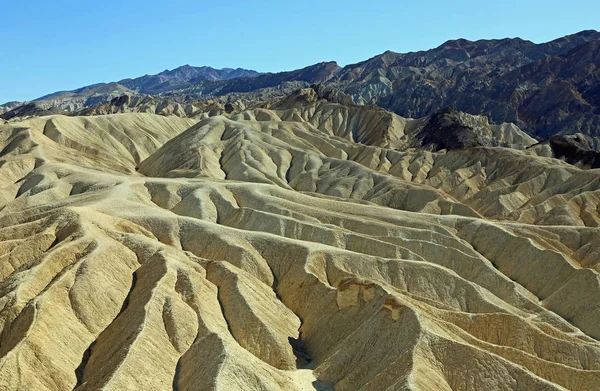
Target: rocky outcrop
pixel 578 149
pixel 9 106
pixel 29 110
pixel 160 106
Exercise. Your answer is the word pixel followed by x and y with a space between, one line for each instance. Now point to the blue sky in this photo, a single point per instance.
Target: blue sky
pixel 48 46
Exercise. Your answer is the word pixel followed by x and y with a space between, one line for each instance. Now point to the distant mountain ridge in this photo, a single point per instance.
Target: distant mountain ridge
pixel 182 76
pixel 501 79
pixel 545 88
pixel 168 80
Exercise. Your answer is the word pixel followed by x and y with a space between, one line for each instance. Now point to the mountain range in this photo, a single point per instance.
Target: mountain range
pixel 545 88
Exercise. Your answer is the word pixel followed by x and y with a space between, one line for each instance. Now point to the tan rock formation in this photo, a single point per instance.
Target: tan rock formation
pixel 274 250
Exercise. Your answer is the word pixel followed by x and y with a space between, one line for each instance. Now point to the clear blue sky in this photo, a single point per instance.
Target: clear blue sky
pixel 47 46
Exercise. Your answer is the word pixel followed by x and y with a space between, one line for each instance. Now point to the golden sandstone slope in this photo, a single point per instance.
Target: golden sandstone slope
pixel 295 246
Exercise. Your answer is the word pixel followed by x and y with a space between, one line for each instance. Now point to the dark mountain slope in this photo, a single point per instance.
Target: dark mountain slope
pixel 490 77
pixel 318 73
pixel 182 77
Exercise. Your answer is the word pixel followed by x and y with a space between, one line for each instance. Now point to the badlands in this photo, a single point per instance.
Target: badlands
pixel 299 244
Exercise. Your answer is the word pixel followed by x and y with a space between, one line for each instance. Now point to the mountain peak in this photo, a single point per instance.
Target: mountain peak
pixel 592 34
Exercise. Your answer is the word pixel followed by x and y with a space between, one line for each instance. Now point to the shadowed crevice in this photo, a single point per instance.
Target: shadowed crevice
pixel 80 370
pixel 177 375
